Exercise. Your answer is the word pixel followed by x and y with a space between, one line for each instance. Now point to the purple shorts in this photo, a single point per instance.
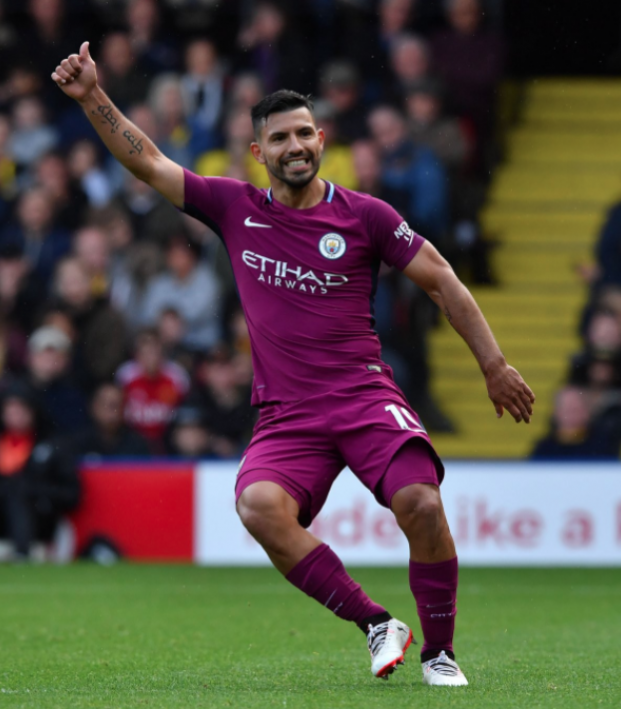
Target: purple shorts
pixel 370 427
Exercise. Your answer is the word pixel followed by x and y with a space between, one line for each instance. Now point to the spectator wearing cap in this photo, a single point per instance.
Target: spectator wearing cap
pixel 48 376
pixel 152 387
pixel 107 434
pixel 38 476
pixel 191 287
pixel 339 83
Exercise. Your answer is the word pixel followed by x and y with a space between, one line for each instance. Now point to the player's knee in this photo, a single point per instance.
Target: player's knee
pixel 418 506
pixel 261 512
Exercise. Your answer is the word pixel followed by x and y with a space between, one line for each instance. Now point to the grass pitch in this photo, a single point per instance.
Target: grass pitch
pixel 158 637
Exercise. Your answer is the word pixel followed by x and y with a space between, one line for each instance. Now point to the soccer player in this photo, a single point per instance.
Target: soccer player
pixel 305 255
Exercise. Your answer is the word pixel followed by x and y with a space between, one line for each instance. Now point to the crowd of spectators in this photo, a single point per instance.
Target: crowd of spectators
pixel 586 422
pixel 120 328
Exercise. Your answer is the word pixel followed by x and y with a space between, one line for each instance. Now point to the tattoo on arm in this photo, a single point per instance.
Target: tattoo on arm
pixel 449 317
pixel 105 111
pixel 134 141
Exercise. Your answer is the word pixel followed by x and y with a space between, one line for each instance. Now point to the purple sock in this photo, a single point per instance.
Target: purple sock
pixel 435 589
pixel 322 576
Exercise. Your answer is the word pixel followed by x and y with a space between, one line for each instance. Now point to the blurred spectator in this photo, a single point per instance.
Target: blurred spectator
pixel 246 91
pixel 108 435
pixel 38 477
pixel 203 85
pixel 99 330
pixel 70 202
pixel 225 402
pixel 152 217
pixel 190 287
pixel 84 168
pixel 235 160
pixel 152 388
pixel 573 432
pixel 20 299
pixel 174 133
pixel 445 136
pixel 33 233
pixel 92 249
pixel 409 58
pixel 340 84
pixel 32 136
pixel 130 279
pixel 53 34
pixel 367 161
pixel 599 364
pixel 118 71
pixel 469 59
pixel 172 330
pixel 153 47
pixel 276 50
pixel 189 436
pixel 61 402
pixel 8 168
pixel 336 163
pixel 406 166
pixel 21 80
pixel 430 126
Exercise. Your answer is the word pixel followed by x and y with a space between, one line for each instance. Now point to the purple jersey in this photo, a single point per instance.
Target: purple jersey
pixel 306 278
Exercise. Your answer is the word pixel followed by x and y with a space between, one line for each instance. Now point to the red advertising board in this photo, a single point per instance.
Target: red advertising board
pixel 146 510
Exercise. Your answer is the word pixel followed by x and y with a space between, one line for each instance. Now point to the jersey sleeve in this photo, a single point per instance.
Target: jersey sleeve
pixel 208 198
pixel 394 241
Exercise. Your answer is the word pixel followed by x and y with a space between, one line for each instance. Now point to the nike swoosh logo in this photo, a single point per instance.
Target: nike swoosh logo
pixel 249 222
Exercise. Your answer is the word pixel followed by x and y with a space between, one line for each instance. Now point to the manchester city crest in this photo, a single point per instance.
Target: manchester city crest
pixel 332 246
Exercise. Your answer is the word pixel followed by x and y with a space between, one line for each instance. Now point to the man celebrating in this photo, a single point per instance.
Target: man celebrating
pixel 305 255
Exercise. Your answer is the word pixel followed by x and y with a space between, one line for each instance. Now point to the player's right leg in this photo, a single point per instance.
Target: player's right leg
pixel 271 515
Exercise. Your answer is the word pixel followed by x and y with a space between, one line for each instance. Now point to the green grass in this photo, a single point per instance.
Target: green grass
pixel 153 636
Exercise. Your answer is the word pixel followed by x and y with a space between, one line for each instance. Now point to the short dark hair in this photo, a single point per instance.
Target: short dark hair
pixel 280 101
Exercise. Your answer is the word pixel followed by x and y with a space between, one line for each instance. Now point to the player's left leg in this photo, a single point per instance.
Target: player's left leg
pixel 433 561
pixel 269 507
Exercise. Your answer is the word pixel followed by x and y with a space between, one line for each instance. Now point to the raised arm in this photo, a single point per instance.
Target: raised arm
pixel 505 386
pixel 76 76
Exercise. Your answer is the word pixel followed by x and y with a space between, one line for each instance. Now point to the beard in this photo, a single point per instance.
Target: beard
pixel 299 181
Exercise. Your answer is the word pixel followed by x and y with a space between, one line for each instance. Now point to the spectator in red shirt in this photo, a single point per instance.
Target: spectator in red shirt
pixel 153 387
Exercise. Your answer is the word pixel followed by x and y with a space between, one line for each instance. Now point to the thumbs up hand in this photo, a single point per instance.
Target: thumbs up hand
pixel 76 75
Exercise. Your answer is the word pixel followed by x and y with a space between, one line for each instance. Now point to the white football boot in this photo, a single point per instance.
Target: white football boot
pixel 441 671
pixel 387 644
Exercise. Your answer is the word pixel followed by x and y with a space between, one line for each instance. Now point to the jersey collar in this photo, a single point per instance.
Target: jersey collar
pixel 327 197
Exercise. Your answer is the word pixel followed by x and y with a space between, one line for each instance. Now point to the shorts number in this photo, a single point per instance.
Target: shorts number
pixel 401 414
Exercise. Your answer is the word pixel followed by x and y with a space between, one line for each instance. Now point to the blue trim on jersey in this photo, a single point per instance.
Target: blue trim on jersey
pixel 330 193
pixel 269 195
